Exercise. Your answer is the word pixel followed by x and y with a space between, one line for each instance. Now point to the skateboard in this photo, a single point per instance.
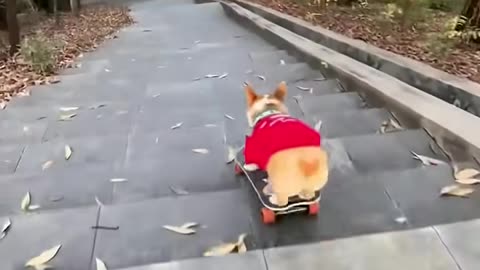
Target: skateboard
pixel 269 211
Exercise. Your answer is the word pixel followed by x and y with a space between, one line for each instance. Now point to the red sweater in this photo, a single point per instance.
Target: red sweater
pixel 275 133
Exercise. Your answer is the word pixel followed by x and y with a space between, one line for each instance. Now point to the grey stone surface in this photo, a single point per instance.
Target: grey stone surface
pixel 344 101
pixel 461 239
pixel 9 157
pixel 251 260
pixel 419 249
pixel 31 234
pixel 141 239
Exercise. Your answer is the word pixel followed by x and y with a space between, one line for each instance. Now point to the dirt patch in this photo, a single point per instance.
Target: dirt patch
pixel 369 25
pixel 75 35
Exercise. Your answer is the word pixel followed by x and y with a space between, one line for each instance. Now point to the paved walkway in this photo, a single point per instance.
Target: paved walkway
pixel 135 88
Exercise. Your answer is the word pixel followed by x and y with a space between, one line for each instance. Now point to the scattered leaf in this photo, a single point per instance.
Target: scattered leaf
pixel 224 75
pixel 427 160
pixel 97 200
pixel 466 173
pixel 325 64
pixel 196 42
pixel 47 165
pixel 282 62
pixel 210 125
pixel 67 109
pixel 241 247
pixel 27 199
pixel 118 180
pixel 261 77
pixel 209 76
pixel 177 125
pixel 189 225
pixel 67 117
pixel 6 226
pixel 197 79
pixel 249 71
pixel 100 264
pixel 107 70
pixel 43 258
pixel 33 207
pixel 220 250
pixel 232 152
pixel 318 125
pixel 97 106
pixel 178 191
pixel 455 190
pixel 309 89
pixel 68 152
pixel 3 105
pixel 56 198
pixel 401 220
pixel 200 150
pixel 468 181
pixel 229 117
pixel 180 230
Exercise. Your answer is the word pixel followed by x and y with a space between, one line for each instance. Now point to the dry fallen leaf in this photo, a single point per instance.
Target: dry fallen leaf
pixel 180 230
pixel 43 258
pixel 224 75
pixel 229 117
pixel 282 62
pixel 241 247
pixel 6 226
pixel 325 64
pixel 309 89
pixel 47 165
pixel 455 190
pixel 209 76
pixel 3 105
pixel 232 152
pixel 401 220
pixel 468 181
pixel 177 125
pixel 66 117
pixel 118 180
pixel 68 152
pixel 189 225
pixel 318 125
pixel 27 199
pixel 220 250
pixel 178 191
pixel 261 77
pixel 210 125
pixel 426 160
pixel 100 264
pixel 97 200
pixel 466 173
pixel 67 109
pixel 200 150
pixel 33 207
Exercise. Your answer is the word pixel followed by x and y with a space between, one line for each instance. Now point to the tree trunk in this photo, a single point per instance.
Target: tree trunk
pixel 13 28
pixel 74 7
pixel 55 12
pixel 470 15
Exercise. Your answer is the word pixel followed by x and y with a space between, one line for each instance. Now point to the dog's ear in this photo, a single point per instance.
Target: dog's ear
pixel 251 95
pixel 281 91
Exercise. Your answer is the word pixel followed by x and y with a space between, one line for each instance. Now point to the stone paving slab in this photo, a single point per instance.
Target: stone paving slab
pixel 418 249
pixel 57 188
pixel 32 234
pixel 317 104
pixel 86 150
pixel 141 239
pixel 462 240
pixel 252 260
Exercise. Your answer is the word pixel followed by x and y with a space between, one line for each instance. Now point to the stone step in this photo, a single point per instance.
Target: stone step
pixel 263 61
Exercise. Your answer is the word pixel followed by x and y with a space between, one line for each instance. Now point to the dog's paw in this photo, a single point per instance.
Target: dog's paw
pixel 250 167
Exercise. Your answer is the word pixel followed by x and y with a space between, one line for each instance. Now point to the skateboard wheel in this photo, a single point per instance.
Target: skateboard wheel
pixel 237 169
pixel 268 216
pixel 313 209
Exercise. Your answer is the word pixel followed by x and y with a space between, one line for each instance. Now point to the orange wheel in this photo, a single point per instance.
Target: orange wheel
pixel 268 216
pixel 313 209
pixel 238 170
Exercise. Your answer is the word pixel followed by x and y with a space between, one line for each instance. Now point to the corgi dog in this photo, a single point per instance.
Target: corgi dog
pixel 283 146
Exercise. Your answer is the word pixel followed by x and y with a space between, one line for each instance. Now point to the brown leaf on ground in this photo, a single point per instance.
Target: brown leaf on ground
pixel 457 191
pixel 76 35
pixel 367 25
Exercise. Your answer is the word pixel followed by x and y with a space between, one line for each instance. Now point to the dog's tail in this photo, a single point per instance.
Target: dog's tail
pixel 309 167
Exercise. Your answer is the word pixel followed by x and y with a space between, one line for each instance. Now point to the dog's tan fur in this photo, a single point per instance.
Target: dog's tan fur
pixel 298 171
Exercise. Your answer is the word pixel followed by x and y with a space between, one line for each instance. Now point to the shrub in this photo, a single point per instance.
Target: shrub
pixel 39 52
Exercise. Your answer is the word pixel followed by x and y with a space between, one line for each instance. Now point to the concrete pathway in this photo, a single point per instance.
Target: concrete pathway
pixel 135 88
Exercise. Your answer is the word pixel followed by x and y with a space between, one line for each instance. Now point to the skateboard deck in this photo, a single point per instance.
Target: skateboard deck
pixel 259 183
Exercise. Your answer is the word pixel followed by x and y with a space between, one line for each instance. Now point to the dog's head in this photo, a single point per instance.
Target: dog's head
pixel 257 104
